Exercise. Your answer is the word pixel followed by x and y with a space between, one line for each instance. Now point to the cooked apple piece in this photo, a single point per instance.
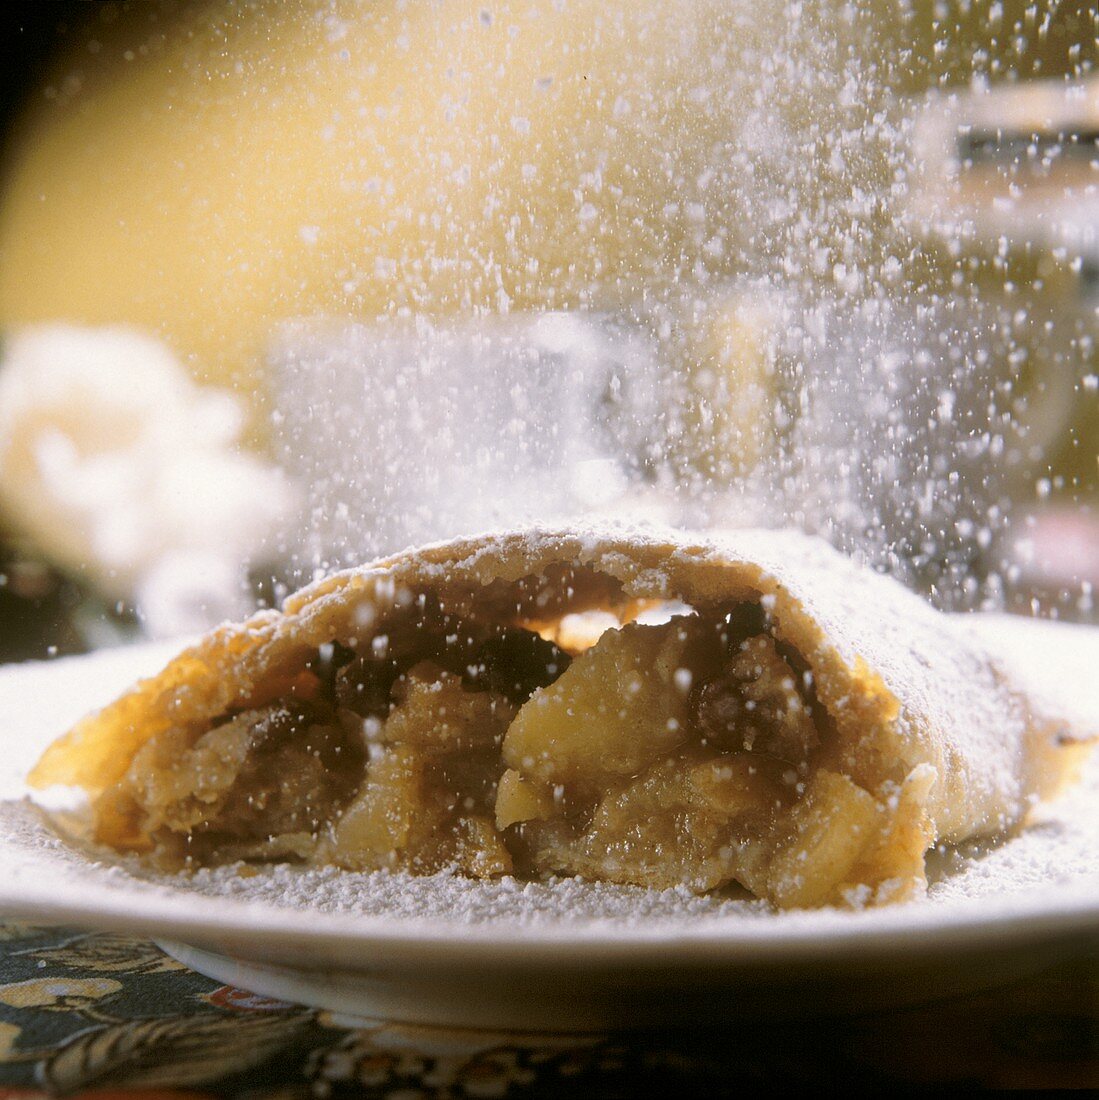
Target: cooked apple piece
pixel 894 863
pixel 430 784
pixel 378 826
pixel 615 710
pixel 519 799
pixel 406 817
pixel 661 755
pixel 833 825
pixel 685 820
pixel 746 785
pixel 435 712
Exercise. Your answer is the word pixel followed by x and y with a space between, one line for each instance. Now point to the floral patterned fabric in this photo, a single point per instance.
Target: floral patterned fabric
pixel 93 1013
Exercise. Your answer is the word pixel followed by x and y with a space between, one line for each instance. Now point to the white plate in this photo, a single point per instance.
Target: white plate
pixel 565 955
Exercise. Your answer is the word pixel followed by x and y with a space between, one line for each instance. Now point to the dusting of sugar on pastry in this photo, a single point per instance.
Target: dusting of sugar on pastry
pixel 889 672
pixel 1051 860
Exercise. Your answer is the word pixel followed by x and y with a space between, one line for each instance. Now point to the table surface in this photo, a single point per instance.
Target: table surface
pixel 84 1012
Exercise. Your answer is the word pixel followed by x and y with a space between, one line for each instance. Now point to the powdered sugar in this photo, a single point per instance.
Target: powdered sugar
pixel 1057 851
pixel 1048 869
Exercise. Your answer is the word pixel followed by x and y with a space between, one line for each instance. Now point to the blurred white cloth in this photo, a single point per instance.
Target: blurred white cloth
pixel 122 469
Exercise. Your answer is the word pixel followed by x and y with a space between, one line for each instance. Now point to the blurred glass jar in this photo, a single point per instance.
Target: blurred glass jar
pixel 408 430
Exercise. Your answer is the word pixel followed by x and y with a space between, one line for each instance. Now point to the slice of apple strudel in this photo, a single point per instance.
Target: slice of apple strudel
pixel 655 709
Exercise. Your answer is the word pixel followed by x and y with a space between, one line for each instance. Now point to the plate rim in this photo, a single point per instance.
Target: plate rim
pixel 908 930
pixel 262 927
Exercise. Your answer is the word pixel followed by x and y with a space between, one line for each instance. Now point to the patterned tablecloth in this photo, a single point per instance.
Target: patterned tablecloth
pixel 92 1013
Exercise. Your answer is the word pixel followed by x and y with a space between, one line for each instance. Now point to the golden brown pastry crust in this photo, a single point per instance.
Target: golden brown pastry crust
pixel 903 685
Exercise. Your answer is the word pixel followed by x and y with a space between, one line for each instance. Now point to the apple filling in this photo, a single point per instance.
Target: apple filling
pixel 693 751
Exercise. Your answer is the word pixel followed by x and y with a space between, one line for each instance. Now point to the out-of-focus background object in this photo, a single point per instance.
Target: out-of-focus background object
pixel 46 614
pixel 1012 173
pixel 842 255
pixel 113 459
pixel 1017 164
pixel 202 169
pixel 407 428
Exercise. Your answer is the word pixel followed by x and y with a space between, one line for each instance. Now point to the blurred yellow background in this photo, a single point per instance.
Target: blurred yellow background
pixel 201 169
pixel 210 170
pixel 707 171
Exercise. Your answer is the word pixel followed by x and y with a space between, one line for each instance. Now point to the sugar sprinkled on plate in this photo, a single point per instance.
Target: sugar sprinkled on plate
pixel 1050 861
